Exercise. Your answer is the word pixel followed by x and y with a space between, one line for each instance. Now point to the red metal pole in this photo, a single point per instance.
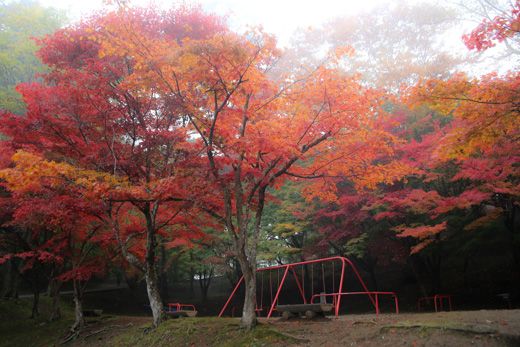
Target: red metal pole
pixel 278 291
pixel 340 288
pixel 231 296
pixel 435 301
pixel 396 304
pixel 302 293
pixel 377 305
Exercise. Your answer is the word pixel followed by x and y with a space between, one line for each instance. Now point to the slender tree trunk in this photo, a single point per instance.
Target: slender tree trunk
pixel 422 288
pixel 36 300
pixel 205 282
pixel 7 268
pixel 55 287
pixel 12 279
pixel 192 274
pixel 79 321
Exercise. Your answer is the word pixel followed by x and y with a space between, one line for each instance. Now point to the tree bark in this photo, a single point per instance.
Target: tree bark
pixel 55 287
pixel 79 321
pixel 12 279
pixel 152 281
pixel 7 268
pixel 154 296
pixel 149 267
pixel 36 300
pixel 205 277
pixel 248 320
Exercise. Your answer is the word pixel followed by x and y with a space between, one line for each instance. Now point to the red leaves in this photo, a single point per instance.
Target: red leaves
pixel 82 273
pixel 424 233
pixel 421 232
pixel 500 28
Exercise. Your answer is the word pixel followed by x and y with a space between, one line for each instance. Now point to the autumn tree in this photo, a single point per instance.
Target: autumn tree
pixel 50 204
pixel 254 133
pixel 480 142
pixel 499 23
pixel 84 113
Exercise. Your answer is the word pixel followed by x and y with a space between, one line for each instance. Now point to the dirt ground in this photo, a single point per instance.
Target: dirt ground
pixel 458 328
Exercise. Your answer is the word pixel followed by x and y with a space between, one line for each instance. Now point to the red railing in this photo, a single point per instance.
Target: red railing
pixel 437 301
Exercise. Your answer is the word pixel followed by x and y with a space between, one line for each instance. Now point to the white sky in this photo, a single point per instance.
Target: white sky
pixel 279 17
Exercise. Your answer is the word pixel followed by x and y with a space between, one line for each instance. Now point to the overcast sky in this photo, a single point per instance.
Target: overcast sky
pixel 280 17
pixel 283 17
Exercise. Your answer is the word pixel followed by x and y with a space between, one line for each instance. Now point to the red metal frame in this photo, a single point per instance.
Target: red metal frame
pixel 373 296
pixel 375 293
pixel 437 301
pixel 180 307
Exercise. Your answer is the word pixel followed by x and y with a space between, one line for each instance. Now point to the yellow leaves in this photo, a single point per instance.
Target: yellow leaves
pixel 484 111
pixel 384 173
pixel 30 170
pixel 32 173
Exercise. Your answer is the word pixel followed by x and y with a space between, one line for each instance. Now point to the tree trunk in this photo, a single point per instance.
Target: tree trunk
pixel 163 273
pixel 150 269
pixel 248 320
pixel 36 300
pixel 192 278
pixel 7 268
pixel 79 321
pixel 192 274
pixel 55 287
pixel 154 296
pixel 422 288
pixel 12 279
pixel 204 283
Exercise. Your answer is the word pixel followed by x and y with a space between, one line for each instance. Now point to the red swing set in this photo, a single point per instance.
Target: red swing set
pixel 309 305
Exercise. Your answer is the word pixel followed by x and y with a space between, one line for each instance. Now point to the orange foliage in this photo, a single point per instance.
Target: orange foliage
pixel 485 111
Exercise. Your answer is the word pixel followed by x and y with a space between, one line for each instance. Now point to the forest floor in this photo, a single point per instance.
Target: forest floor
pixel 457 328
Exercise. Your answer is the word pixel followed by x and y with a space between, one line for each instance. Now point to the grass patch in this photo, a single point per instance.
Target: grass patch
pixel 17 329
pixel 224 332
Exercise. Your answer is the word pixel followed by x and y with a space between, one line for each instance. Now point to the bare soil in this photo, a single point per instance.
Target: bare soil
pixel 458 328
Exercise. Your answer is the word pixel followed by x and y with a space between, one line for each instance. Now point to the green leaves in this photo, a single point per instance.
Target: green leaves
pixel 22 22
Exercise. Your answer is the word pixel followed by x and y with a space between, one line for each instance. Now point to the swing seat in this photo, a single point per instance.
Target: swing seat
pixel 303 308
